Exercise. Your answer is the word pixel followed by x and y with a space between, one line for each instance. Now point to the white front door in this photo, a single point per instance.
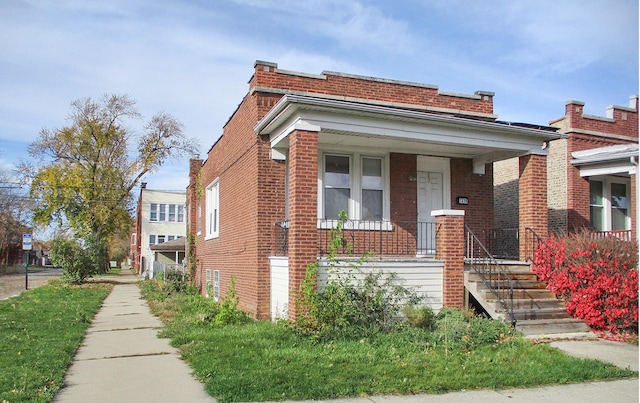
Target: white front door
pixel 430 197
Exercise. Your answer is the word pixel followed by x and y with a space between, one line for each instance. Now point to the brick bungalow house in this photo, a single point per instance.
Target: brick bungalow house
pixel 410 164
pixel 591 174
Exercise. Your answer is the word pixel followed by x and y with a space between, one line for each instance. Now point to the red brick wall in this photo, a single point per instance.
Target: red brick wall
pixel 251 199
pixel 303 209
pixel 533 197
pixel 624 121
pixel 404 192
pixel 479 189
pixel 267 76
pixel 451 250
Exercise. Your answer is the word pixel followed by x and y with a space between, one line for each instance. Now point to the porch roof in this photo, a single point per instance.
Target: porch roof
pixel 175 245
pixel 355 125
pixel 612 160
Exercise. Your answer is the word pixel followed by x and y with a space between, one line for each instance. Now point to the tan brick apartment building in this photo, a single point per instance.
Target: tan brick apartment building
pixel 591 174
pixel 410 165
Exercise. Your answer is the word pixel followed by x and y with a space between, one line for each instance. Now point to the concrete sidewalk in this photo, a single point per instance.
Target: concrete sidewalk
pixel 122 359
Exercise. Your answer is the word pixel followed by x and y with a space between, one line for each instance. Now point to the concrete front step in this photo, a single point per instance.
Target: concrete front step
pixel 529 277
pixel 528 293
pixel 538 314
pixel 552 326
pixel 537 311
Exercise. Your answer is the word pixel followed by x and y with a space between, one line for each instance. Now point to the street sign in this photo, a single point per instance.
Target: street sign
pixel 27 243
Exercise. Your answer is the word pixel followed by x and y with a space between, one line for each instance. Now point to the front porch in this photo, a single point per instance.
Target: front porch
pixel 406 239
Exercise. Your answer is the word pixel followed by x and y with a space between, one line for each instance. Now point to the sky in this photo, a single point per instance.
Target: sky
pixel 193 58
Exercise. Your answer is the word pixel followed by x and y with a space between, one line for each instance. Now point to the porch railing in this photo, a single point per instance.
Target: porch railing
pixel 623 235
pixel 531 242
pixel 493 275
pixel 503 243
pixel 381 238
pixel 280 238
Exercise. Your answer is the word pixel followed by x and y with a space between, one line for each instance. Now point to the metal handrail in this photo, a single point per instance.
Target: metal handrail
pixel 493 275
pixel 531 242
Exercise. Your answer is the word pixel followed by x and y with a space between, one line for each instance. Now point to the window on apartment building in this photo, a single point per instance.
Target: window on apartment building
pixel 608 204
pixel 166 212
pixel 355 184
pixel 152 240
pixel 161 238
pixel 153 212
pixel 180 209
pixel 212 195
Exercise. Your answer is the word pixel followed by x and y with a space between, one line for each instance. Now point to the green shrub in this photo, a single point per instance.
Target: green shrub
pixel 229 314
pixel 467 331
pixel 421 317
pixel 76 262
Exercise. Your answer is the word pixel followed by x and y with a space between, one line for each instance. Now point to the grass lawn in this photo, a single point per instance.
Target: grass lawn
pixel 265 361
pixel 40 333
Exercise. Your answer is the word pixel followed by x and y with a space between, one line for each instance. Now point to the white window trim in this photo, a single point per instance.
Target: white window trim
pixel 210 234
pixel 606 199
pixel 355 174
pixel 216 285
pixel 207 281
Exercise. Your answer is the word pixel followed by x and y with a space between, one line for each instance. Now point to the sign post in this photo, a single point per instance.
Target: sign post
pixel 27 245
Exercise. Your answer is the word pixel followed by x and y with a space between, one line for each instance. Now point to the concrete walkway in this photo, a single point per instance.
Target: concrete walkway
pixel 123 360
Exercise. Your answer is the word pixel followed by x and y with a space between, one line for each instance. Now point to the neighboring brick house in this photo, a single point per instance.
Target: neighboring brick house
pixel 301 147
pixel 591 179
pixel 160 217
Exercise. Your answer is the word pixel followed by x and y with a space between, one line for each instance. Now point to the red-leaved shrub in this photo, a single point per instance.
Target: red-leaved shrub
pixel 597 279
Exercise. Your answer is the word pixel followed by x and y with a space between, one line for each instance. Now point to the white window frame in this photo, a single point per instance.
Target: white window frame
pixel 153 209
pixel 216 285
pixel 355 202
pixel 207 281
pixel 212 219
pixel 607 213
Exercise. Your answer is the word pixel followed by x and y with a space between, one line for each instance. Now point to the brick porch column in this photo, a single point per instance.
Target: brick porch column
pixel 303 211
pixel 533 198
pixel 450 249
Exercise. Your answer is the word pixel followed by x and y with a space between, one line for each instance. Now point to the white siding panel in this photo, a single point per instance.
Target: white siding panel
pixel 424 277
pixel 279 287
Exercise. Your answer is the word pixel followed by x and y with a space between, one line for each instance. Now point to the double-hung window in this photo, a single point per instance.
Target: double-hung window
pixel 356 184
pixel 372 189
pixel 212 221
pixel 608 204
pixel 337 185
pixel 153 212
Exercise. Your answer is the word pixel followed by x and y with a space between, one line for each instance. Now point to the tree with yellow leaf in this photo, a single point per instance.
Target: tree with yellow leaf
pixel 88 169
